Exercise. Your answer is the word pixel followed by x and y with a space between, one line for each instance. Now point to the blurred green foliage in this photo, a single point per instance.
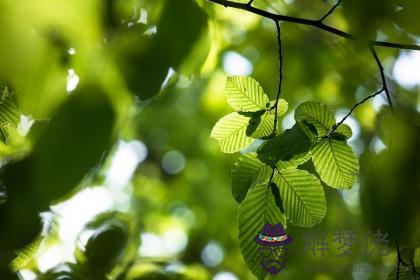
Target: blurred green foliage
pixel 76 83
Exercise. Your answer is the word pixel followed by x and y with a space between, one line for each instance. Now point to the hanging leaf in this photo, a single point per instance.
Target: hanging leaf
pixel 292 148
pixel 303 197
pixel 265 126
pixel 247 171
pixel 316 114
pixel 335 163
pixel 282 107
pixel 230 131
pixel 343 132
pixel 245 94
pixel 251 220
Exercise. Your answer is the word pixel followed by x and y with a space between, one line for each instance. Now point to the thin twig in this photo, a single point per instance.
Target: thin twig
pixel 351 111
pixel 250 2
pixel 310 22
pixel 280 77
pixel 266 193
pixel 381 70
pixel 330 11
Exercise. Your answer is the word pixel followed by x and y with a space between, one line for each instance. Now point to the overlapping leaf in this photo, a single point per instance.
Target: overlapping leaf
pixel 291 148
pixel 247 171
pixel 282 107
pixel 251 220
pixel 264 126
pixel 245 94
pixel 247 97
pixel 230 131
pixel 316 114
pixel 343 132
pixel 303 197
pixel 335 163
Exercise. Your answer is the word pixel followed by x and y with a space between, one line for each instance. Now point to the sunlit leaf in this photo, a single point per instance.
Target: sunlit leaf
pixel 282 107
pixel 303 197
pixel 265 126
pixel 343 132
pixel 230 131
pixel 245 94
pixel 336 163
pixel 9 115
pixel 316 114
pixel 26 254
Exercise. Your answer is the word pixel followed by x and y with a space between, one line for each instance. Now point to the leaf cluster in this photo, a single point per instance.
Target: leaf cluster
pixel 281 181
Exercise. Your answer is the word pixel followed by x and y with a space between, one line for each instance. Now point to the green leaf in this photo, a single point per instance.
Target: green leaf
pixel 265 126
pixel 247 171
pixel 26 255
pixel 291 148
pixel 9 115
pixel 245 94
pixel 180 26
pixel 303 197
pixel 343 132
pixel 282 107
pixel 251 221
pixel 316 114
pixel 104 248
pixel 335 163
pixel 144 60
pixel 230 132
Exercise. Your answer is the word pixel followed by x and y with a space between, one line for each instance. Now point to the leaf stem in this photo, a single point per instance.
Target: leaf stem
pixel 381 71
pixel 330 11
pixel 266 193
pixel 280 51
pixel 351 111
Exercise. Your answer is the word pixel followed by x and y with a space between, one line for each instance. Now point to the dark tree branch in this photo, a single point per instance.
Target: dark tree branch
pixel 280 77
pixel 315 23
pixel 381 70
pixel 330 11
pixel 250 2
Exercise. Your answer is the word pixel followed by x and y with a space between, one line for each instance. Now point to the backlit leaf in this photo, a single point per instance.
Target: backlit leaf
pixel 230 131
pixel 343 132
pixel 303 197
pixel 245 94
pixel 282 107
pixel 335 163
pixel 316 114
